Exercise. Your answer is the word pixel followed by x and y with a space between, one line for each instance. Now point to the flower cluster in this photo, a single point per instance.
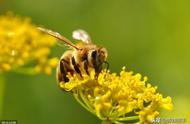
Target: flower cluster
pixel 21 44
pixel 117 98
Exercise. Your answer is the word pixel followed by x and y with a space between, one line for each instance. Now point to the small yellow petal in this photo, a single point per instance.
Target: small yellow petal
pixel 21 42
pixel 114 96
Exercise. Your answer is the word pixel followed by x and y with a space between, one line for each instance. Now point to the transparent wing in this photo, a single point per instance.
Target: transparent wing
pixel 81 35
pixel 58 36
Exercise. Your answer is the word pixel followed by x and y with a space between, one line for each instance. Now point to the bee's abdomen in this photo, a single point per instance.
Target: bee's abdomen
pixel 75 65
pixel 64 67
pixel 63 76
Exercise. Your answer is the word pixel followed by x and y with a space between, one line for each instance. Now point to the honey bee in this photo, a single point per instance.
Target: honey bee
pixel 80 57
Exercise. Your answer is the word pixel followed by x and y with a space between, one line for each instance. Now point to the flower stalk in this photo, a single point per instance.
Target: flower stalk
pixel 106 122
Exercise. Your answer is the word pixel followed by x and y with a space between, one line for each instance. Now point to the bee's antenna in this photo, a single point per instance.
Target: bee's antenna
pixel 58 36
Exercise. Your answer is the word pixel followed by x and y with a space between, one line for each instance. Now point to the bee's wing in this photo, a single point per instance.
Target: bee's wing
pixel 81 35
pixel 58 36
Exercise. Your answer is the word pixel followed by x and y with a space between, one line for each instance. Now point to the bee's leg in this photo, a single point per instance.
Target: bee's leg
pixel 106 67
pixel 98 70
pixel 63 71
pixel 76 66
pixel 100 66
pixel 86 66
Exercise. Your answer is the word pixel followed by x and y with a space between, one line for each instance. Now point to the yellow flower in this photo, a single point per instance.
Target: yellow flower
pixel 21 44
pixel 117 98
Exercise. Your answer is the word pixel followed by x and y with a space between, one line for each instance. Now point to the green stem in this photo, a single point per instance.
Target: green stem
pixel 132 118
pixel 117 122
pixel 82 104
pixel 85 100
pixel 106 122
pixel 2 88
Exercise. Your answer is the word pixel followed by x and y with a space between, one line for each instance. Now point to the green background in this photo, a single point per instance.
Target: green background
pixel 151 37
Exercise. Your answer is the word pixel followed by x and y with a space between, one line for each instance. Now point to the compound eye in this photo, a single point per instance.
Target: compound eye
pixel 94 54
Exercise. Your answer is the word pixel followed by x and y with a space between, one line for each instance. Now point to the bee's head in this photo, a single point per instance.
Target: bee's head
pixel 97 55
pixel 102 53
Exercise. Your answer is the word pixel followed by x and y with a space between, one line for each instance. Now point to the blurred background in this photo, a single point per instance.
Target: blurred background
pixel 149 37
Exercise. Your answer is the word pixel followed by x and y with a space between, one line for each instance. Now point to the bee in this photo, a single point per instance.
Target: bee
pixel 80 57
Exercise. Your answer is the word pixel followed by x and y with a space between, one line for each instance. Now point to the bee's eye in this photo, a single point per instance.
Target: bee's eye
pixel 94 54
pixel 102 52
